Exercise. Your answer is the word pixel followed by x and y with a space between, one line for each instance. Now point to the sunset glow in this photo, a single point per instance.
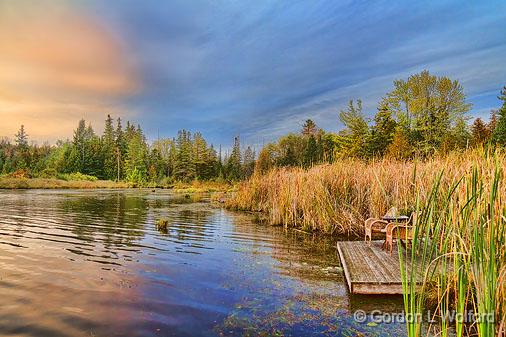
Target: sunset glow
pixel 58 65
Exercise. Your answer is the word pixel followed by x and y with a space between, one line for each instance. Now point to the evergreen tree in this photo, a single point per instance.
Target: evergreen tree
pixel 328 143
pixel 22 138
pixel 184 164
pixel 200 155
pixel 172 159
pixel 234 166
pixel 109 150
pixel 156 165
pixel 309 128
pixel 94 164
pixel 119 154
pixel 21 158
pixel 85 154
pixel 356 132
pixel 136 162
pixel 383 130
pixel 310 152
pixel 120 151
pixel 248 162
pixel 129 132
pixel 212 164
pixel 499 136
pixel 291 149
pixel 166 148
pixel 492 123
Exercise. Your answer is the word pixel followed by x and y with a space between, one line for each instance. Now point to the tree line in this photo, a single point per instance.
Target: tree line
pixel 422 116
pixel 124 154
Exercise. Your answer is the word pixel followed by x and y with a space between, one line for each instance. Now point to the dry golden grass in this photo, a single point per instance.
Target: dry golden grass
pixel 51 183
pixel 198 186
pixel 337 198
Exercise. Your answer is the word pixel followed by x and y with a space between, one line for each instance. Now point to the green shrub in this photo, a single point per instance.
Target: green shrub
pixel 48 173
pixel 136 177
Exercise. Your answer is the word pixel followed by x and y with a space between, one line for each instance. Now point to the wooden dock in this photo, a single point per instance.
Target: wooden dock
pixel 369 269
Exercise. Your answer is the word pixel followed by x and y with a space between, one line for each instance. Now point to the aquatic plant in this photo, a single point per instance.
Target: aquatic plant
pixel 162 225
pixel 460 248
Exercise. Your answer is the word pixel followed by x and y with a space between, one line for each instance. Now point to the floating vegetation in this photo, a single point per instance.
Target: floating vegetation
pixel 162 225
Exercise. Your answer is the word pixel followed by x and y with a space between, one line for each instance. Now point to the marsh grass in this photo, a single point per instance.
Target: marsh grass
pixel 460 240
pixel 198 186
pixel 460 231
pixel 338 197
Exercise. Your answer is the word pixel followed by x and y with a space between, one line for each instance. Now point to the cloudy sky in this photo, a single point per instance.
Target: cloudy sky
pixel 253 68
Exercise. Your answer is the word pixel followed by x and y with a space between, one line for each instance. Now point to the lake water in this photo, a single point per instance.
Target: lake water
pixel 91 263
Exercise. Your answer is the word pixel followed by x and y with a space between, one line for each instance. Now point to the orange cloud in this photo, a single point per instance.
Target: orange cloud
pixel 57 65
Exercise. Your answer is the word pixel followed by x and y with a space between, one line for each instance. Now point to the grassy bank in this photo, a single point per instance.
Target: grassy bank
pixel 9 182
pixel 53 183
pixel 337 198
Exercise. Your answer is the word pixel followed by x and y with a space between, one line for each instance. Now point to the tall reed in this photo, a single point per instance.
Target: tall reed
pixel 338 197
pixel 459 245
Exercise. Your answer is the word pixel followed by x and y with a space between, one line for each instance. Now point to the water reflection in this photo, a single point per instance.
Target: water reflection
pixel 92 263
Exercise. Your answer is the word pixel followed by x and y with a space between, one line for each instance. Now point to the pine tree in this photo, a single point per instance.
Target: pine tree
pixel 165 147
pixel 499 136
pixel 382 132
pixel 356 132
pixel 234 166
pixel 212 164
pixel 85 155
pixel 311 152
pixel 120 150
pixel 309 128
pixel 22 138
pixel 172 159
pixel 135 164
pixel 248 162
pixel 492 123
pixel 184 164
pixel 291 150
pixel 129 132
pixel 21 158
pixel 199 155
pixel 109 150
pixel 156 166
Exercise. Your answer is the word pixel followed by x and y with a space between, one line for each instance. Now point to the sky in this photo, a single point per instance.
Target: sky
pixel 256 69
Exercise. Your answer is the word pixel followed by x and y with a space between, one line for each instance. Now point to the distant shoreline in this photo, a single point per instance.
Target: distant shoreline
pixel 8 183
pixel 11 183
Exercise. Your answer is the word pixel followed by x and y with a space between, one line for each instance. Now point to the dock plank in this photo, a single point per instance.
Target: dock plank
pixel 369 269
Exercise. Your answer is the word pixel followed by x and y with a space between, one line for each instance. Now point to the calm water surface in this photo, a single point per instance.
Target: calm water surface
pixel 91 263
